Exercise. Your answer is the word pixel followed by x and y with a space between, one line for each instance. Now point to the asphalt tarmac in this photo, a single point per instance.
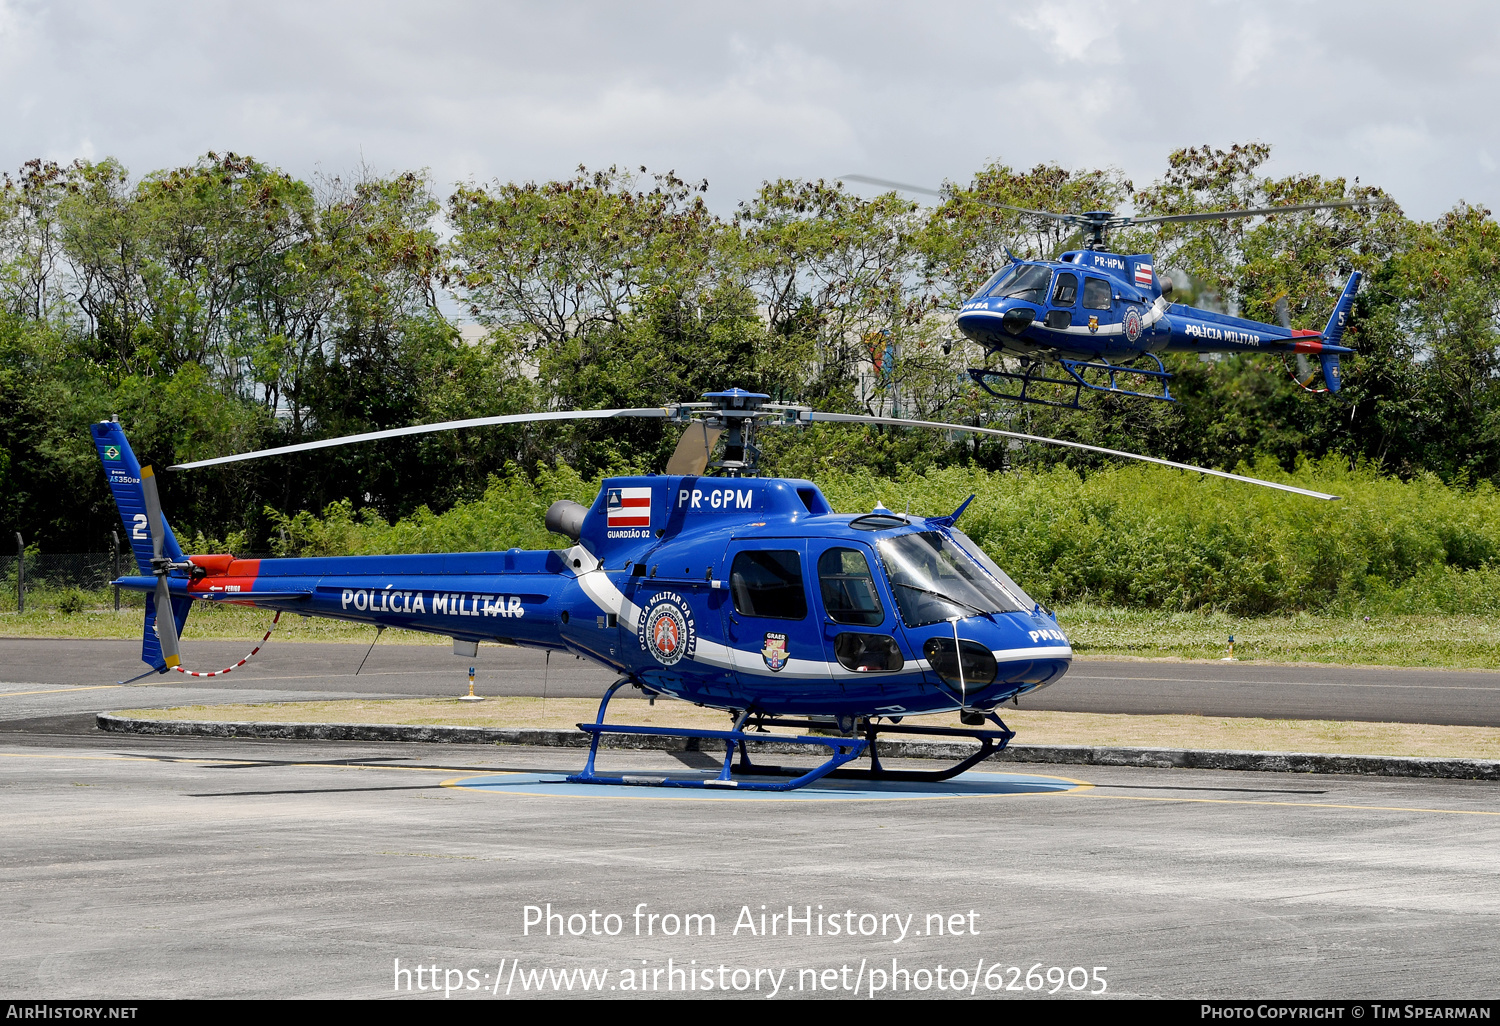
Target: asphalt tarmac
pixel 308 670
pixel 140 867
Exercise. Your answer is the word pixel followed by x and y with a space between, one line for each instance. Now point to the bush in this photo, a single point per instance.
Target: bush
pixel 1128 536
pixel 72 601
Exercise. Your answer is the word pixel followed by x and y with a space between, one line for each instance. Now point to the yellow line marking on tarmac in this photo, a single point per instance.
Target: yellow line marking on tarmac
pixel 85 687
pixel 81 758
pixel 1294 805
pixel 372 765
pixel 242 762
pixel 137 758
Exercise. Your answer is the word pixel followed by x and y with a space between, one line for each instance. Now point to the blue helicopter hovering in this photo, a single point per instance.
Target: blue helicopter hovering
pixel 1089 319
pixel 732 591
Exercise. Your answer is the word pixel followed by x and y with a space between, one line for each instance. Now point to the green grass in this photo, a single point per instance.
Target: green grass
pixel 1456 642
pixel 208 622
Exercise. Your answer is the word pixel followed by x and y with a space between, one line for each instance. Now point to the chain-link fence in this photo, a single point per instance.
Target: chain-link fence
pixel 89 571
pixel 68 581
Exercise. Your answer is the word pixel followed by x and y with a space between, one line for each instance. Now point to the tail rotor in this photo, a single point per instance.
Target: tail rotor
pixel 1306 372
pixel 162 566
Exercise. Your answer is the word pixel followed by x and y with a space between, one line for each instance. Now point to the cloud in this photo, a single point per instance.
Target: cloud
pixel 1076 32
pixel 741 92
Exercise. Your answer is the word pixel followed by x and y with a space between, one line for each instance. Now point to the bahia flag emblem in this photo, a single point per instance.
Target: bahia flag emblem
pixel 1143 275
pixel 629 507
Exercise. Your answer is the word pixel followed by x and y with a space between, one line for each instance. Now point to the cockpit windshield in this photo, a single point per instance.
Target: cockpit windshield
pixel 935 579
pixel 1029 283
pixel 1000 278
pixel 1011 587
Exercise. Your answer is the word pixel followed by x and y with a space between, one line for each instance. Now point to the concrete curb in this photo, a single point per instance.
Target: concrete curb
pixel 1074 755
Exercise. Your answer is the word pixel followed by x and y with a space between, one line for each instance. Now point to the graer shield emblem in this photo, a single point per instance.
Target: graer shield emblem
pixel 774 651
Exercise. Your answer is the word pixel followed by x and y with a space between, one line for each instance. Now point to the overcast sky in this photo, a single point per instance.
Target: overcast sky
pixel 1402 95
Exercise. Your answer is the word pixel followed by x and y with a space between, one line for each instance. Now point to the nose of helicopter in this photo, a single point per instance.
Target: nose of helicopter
pixel 994 322
pixel 1032 650
pixel 1010 654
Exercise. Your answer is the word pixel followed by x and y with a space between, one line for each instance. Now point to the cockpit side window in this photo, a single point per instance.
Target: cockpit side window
pixel 1096 294
pixel 768 582
pixel 1065 292
pixel 849 594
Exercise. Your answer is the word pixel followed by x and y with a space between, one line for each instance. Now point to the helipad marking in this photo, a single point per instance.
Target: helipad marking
pixel 968 785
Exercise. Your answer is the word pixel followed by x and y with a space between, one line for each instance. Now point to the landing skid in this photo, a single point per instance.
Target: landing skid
pixel 1080 375
pixel 841 750
pixel 990 742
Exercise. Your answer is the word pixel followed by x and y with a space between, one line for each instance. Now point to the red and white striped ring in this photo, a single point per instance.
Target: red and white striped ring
pixel 242 662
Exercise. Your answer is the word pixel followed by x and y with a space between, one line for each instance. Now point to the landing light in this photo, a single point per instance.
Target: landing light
pixel 1017 320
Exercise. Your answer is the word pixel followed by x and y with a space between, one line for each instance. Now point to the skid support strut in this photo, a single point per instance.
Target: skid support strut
pixel 990 742
pixel 840 751
pixel 1078 376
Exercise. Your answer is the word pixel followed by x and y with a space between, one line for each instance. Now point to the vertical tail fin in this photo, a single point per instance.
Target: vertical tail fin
pixel 1333 334
pixel 123 473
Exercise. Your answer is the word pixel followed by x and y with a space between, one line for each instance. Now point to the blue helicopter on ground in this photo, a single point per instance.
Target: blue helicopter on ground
pixel 732 591
pixel 1090 318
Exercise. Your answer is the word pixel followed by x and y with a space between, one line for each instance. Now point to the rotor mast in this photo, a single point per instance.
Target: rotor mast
pixel 738 411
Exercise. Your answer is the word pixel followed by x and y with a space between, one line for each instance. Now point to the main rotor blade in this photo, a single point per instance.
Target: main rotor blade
pixel 421 429
pixel 866 179
pixel 1220 215
pixel 851 418
pixel 1114 220
pixel 904 187
pixel 166 623
pixel 690 458
pixel 155 524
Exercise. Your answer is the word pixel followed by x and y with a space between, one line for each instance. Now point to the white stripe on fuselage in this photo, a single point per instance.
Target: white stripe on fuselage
pixel 603 593
pixel 1156 312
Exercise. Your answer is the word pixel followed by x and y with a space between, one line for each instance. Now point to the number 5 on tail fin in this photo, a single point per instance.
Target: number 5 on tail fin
pixel 1333 334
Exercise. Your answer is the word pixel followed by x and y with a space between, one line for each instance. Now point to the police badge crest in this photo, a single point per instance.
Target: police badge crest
pixel 774 651
pixel 666 628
